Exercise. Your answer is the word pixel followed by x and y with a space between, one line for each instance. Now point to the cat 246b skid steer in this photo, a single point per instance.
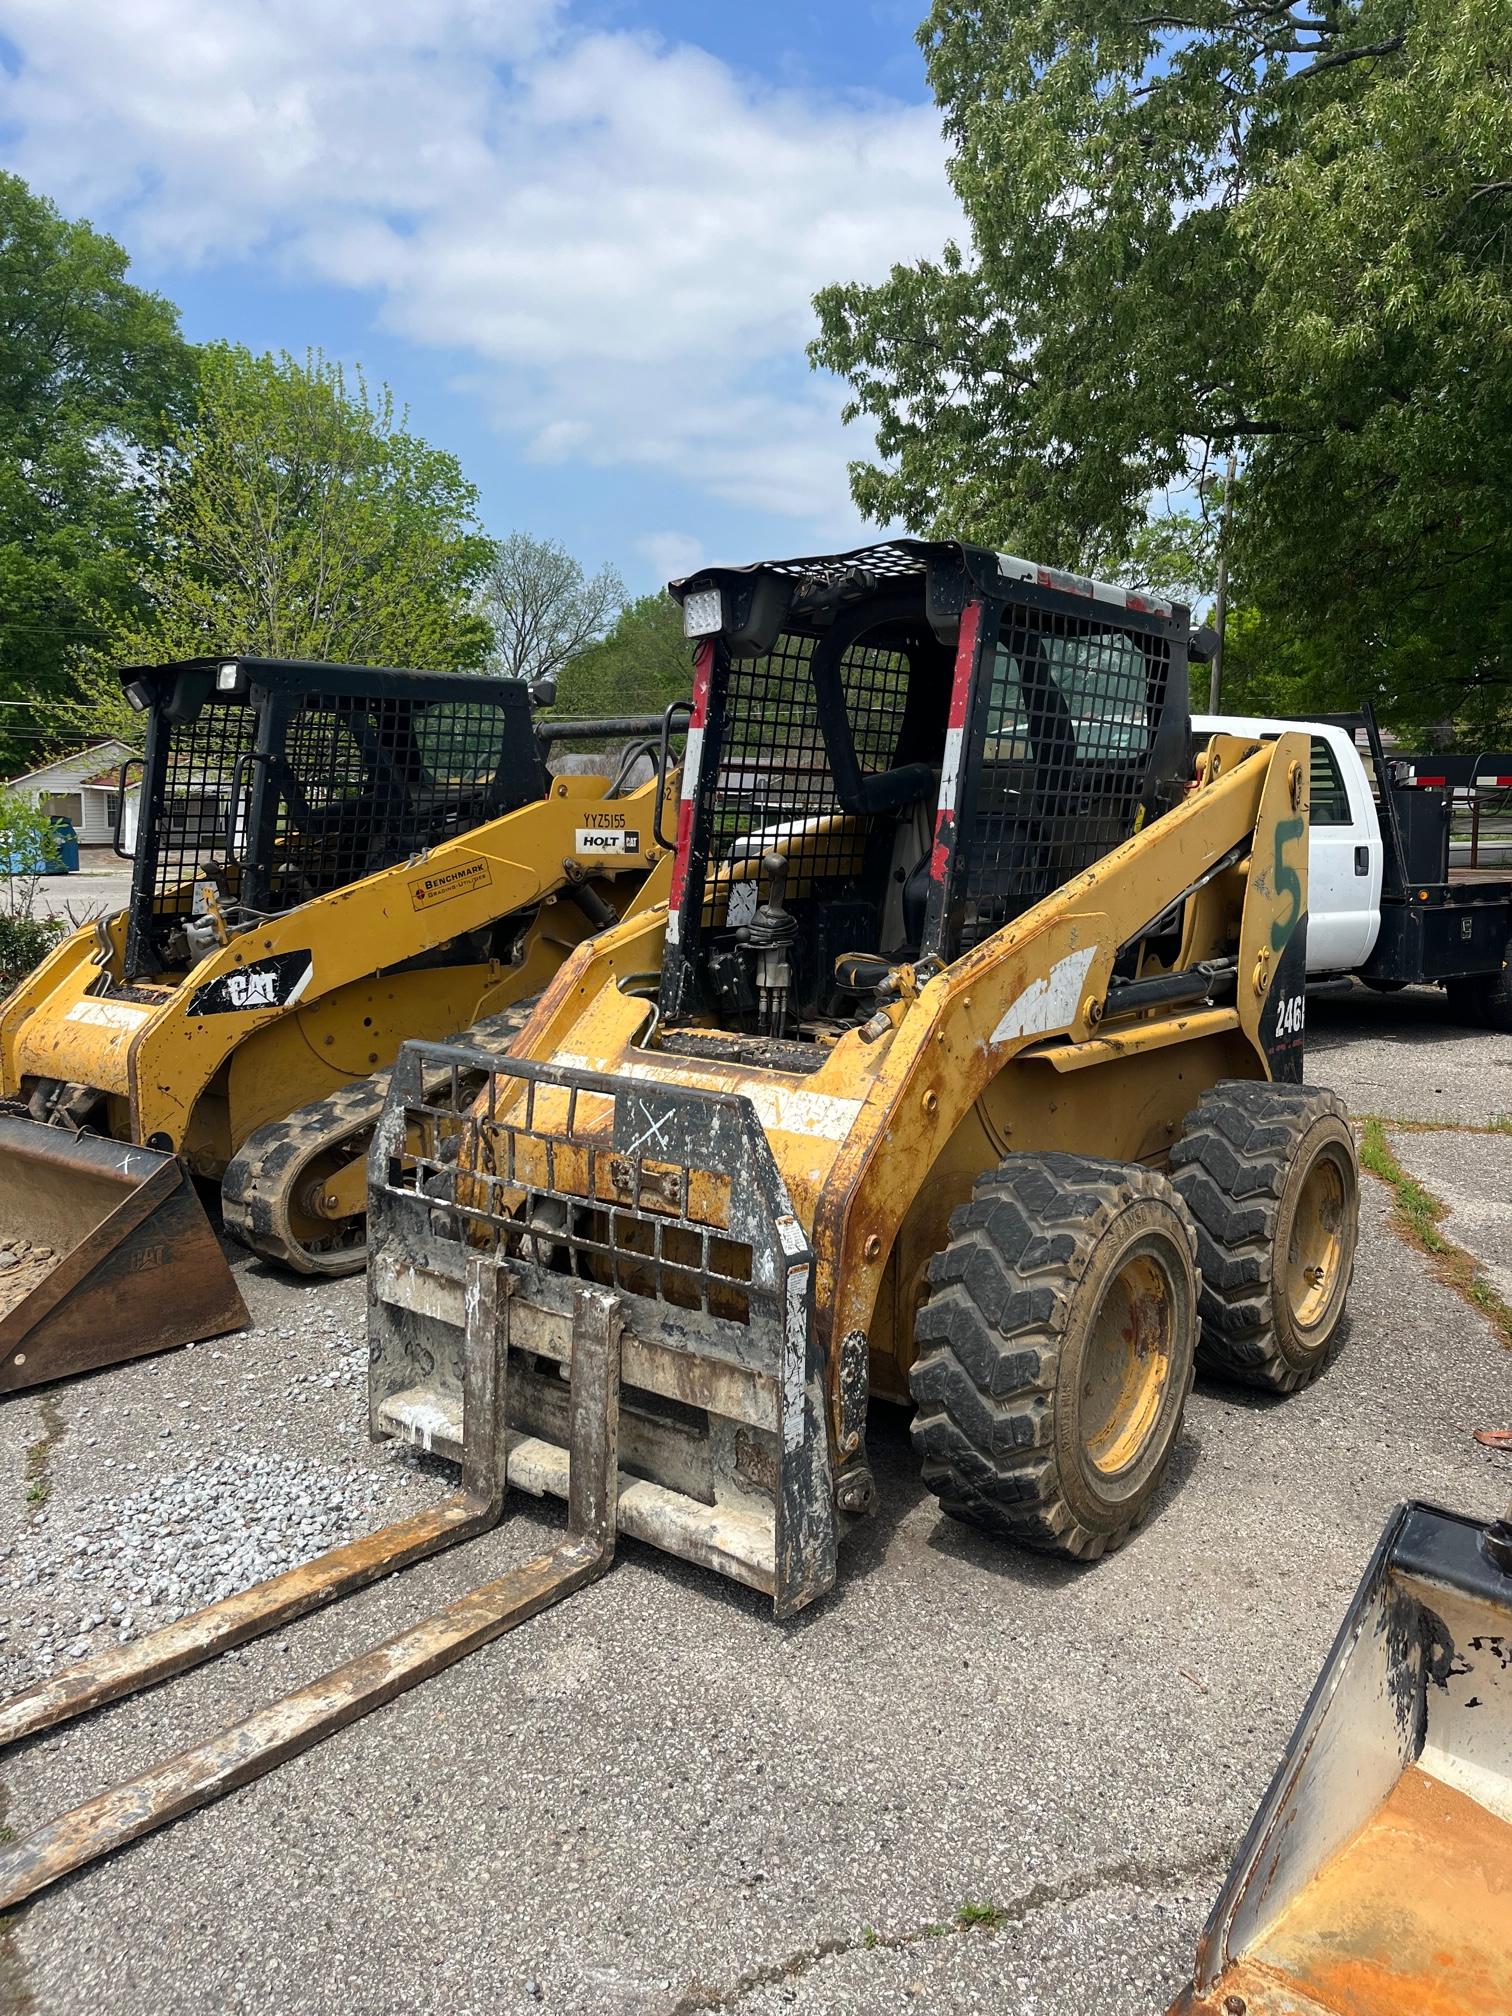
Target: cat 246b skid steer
pixel 962 1062
pixel 329 858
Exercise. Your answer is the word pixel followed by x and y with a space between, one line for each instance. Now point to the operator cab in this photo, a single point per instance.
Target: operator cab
pixel 893 753
pixel 267 783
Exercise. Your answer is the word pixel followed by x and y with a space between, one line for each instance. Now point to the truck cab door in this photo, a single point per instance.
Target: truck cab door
pixel 1343 865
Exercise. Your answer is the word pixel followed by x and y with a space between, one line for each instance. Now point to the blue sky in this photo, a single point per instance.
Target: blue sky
pixel 578 237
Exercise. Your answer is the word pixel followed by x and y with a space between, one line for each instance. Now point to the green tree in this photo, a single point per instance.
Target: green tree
pixel 543 607
pixel 1224 223
pixel 296 517
pixel 93 373
pixel 644 662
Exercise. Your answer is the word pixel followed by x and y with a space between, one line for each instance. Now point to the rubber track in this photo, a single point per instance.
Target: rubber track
pixel 1229 1169
pixel 267 1169
pixel 989 1334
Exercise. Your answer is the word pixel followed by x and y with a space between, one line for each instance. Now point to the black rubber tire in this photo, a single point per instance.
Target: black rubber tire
pixel 1485 999
pixel 1241 1166
pixel 1005 1338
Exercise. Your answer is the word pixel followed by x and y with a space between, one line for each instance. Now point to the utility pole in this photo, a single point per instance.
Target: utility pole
pixel 1220 611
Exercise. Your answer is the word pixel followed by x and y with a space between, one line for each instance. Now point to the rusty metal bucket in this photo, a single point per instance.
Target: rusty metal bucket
pixel 105 1254
pixel 1376 1879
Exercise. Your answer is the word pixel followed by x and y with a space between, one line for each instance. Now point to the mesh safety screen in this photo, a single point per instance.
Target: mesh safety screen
pixel 359 784
pixel 365 782
pixel 1066 711
pixel 193 824
pixel 773 785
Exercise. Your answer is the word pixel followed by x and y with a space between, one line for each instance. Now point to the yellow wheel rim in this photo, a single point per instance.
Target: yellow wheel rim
pixel 1315 1251
pixel 1128 1364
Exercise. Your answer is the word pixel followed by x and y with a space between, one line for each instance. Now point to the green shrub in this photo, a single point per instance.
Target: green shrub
pixel 25 937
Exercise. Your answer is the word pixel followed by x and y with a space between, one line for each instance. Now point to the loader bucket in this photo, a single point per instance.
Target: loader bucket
pixel 1377 1878
pixel 105 1254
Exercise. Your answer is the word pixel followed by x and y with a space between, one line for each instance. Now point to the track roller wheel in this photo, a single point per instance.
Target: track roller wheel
pixel 1271 1176
pixel 1055 1351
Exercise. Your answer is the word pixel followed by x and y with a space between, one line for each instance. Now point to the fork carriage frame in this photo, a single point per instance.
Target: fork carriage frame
pixel 730 1413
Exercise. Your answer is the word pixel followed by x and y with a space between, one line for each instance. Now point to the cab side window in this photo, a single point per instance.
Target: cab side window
pixel 1330 799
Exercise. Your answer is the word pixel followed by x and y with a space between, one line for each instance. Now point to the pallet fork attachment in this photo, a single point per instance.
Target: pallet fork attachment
pixel 266 1738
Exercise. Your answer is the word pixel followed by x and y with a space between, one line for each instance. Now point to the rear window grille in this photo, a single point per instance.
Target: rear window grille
pixel 368 782
pixel 1067 709
pixel 774 786
pixel 358 784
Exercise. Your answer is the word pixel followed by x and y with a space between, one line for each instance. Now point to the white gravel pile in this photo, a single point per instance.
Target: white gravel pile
pixel 140 1559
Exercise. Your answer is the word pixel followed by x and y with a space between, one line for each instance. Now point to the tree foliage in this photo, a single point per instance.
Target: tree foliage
pixel 543 607
pixel 295 517
pixel 1286 228
pixel 93 373
pixel 643 663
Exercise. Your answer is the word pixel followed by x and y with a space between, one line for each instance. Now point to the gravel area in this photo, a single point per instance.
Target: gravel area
pixel 169 1546
pixel 22 1266
pixel 150 1491
pixel 655 1801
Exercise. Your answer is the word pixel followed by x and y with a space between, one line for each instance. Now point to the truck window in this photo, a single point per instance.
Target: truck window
pixel 1330 800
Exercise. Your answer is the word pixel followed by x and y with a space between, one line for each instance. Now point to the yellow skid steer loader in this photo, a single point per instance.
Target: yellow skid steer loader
pixel 328 859
pixel 962 1062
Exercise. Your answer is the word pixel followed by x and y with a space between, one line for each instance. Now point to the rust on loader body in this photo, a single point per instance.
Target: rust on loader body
pixel 271 1735
pixel 122 1223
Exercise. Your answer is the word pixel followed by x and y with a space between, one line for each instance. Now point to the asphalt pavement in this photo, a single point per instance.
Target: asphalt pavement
pixel 969 1780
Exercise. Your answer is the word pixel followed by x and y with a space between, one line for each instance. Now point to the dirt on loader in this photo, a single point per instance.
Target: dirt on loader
pixel 23 1264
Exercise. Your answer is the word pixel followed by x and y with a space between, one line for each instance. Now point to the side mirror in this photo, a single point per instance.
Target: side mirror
pixel 543 692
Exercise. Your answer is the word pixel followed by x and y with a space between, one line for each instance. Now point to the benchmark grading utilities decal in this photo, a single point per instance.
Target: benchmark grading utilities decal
pixel 607 833
pixel 426 891
pixel 266 983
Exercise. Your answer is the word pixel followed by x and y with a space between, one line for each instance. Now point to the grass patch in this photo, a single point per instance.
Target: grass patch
pixel 1419 1216
pixel 984 1917
pixel 1499 1123
pixel 39 1454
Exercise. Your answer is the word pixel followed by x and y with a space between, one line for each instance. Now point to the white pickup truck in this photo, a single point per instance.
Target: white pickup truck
pixel 1383 901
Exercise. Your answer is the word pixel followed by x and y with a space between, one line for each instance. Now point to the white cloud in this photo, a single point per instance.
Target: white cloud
pixel 622 234
pixel 671 555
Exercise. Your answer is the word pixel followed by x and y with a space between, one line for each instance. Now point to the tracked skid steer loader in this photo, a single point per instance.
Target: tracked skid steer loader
pixel 328 859
pixel 1376 1879
pixel 969 1031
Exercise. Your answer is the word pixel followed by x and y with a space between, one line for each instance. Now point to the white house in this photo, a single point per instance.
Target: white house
pixel 85 788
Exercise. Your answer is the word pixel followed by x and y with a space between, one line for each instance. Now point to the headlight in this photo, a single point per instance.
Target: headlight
pixel 703 612
pixel 139 694
pixel 228 678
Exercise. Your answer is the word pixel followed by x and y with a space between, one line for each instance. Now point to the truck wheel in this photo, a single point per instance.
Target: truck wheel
pixel 1486 998
pixel 1056 1343
pixel 1272 1178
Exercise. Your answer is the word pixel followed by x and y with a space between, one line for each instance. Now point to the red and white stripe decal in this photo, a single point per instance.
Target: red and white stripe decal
pixel 1493 783
pixel 1080 584
pixel 955 736
pixel 703 666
